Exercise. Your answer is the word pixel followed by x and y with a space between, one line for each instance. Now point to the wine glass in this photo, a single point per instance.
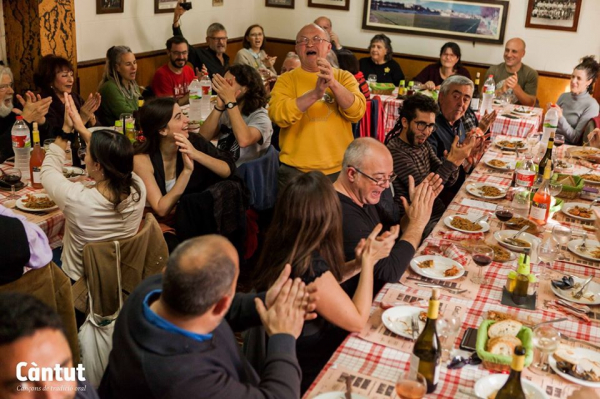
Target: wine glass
pixel 12 176
pixel 555 188
pixel 546 340
pixel 447 328
pixel 372 79
pixel 504 213
pixel 482 256
pixel 81 154
pixel 548 251
pixel 559 140
pixel 411 385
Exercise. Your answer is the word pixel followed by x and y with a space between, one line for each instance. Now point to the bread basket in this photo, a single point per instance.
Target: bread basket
pixel 501 363
pixel 382 88
pixel 568 191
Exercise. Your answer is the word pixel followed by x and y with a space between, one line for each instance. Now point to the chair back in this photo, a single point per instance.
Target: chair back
pixel 260 176
pixel 589 127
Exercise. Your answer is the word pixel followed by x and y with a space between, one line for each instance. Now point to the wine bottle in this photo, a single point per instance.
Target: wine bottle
pixel 513 389
pixel 540 206
pixel 476 95
pixel 36 159
pixel 547 158
pixel 427 352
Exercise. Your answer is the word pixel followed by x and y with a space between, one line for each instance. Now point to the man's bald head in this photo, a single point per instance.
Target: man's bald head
pixel 514 51
pixel 198 274
pixel 324 23
pixel 518 42
pixel 363 149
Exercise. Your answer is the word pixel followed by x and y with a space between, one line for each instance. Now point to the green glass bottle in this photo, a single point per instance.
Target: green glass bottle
pixel 513 389
pixel 427 352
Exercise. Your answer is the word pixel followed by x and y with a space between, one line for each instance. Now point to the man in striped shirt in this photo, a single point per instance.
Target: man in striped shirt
pixel 413 155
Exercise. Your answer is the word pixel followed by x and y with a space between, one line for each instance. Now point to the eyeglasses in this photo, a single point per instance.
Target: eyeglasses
pixel 449 55
pixel 218 39
pixel 304 41
pixel 5 87
pixel 179 53
pixel 381 182
pixel 458 362
pixel 255 35
pixel 422 125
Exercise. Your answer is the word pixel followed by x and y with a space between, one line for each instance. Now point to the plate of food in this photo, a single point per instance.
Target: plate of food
pixel 499 164
pixel 521 244
pixel 522 111
pixel 578 365
pixel 579 210
pixel 437 267
pixel 591 251
pixel 582 153
pixel 591 295
pixel 560 164
pixel 398 320
pixel 512 145
pixel 517 223
pixel 464 223
pixel 72 172
pixel 338 395
pixel 486 190
pixel 502 255
pixel 591 178
pixel 36 203
pixel 488 386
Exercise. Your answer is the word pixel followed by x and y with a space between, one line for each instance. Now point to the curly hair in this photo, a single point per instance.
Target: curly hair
pixel 387 43
pixel 591 68
pixel 409 109
pixel 256 95
pixel 47 69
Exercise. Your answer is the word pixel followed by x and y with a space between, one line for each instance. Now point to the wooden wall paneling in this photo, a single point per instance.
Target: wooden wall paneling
pixel 57 29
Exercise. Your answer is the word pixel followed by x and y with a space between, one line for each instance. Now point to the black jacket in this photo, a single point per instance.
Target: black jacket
pixel 205 56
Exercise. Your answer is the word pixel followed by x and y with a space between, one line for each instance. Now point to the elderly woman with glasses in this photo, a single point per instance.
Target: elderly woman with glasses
pixel 449 64
pixel 380 61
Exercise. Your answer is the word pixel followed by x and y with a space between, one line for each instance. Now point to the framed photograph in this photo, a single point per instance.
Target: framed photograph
pixel 217 3
pixel 470 20
pixel 333 4
pixel 109 6
pixel 280 3
pixel 555 15
pixel 164 6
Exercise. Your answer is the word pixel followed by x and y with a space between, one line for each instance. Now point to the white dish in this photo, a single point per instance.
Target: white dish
pixel 592 288
pixel 337 395
pixel 580 353
pixel 562 165
pixel 440 265
pixel 504 147
pixel 20 203
pixel 486 386
pixel 475 189
pixel 581 153
pixel 73 172
pixel 507 165
pixel 96 128
pixel 593 182
pixel 566 207
pixel 398 318
pixel 484 225
pixel 501 235
pixel 573 246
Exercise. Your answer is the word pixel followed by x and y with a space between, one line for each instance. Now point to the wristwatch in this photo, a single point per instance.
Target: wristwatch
pixel 230 105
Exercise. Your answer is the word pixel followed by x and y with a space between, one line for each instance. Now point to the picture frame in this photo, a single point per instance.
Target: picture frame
pixel 280 3
pixel 564 15
pixel 164 6
pixel 331 4
pixel 109 6
pixel 470 20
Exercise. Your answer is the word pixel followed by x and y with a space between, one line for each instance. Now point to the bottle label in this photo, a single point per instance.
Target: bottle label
pixel 206 90
pixel 525 178
pixel 21 141
pixel 539 210
pixel 414 368
pixel 35 176
pixel 195 94
pixel 475 104
pixel 549 126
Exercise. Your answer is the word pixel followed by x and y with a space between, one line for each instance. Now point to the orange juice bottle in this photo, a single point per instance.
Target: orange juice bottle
pixel 542 200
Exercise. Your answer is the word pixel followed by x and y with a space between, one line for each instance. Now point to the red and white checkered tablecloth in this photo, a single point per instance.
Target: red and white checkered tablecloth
pixel 511 124
pixel 385 363
pixel 391 111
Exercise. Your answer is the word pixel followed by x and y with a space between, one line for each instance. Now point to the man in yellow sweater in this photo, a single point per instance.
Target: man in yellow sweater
pixel 314 105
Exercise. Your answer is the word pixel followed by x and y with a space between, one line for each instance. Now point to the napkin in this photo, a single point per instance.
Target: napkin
pixel 458 236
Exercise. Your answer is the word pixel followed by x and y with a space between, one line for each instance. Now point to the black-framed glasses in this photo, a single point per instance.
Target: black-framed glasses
pixel 303 41
pixel 381 182
pixel 220 39
pixel 422 125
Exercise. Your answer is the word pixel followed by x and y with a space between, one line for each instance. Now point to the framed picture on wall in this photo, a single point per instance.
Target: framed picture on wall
pixel 109 6
pixel 333 4
pixel 555 15
pixel 280 3
pixel 470 20
pixel 164 6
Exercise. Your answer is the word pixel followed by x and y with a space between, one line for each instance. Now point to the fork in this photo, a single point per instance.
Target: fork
pixel 414 326
pixel 580 341
pixel 579 293
pixel 450 290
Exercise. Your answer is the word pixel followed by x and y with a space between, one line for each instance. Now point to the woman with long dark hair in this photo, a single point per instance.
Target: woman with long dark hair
pixel 239 121
pixel 112 209
pixel 253 52
pixel 449 64
pixel 306 232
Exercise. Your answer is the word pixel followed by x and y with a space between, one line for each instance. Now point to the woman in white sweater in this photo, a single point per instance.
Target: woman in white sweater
pixel 253 54
pixel 110 210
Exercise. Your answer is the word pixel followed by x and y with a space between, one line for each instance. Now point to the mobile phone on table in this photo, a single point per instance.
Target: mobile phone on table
pixel 469 340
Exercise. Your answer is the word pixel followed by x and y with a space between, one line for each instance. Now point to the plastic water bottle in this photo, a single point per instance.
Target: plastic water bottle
pixel 195 113
pixel 489 88
pixel 206 93
pixel 550 124
pixel 21 142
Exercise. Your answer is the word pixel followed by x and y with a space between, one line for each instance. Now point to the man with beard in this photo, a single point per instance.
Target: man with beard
pixel 173 78
pixel 34 110
pixel 414 156
pixel 315 106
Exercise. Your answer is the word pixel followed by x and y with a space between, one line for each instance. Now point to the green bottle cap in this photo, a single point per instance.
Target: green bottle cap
pixel 532 278
pixel 512 274
pixel 119 123
pixel 523 268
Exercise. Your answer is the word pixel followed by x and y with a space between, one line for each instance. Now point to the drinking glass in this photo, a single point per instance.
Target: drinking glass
pixel 372 79
pixel 555 188
pixel 81 154
pixel 548 251
pixel 504 213
pixel 12 176
pixel 559 140
pixel 545 340
pixel 482 256
pixel 447 329
pixel 561 233
pixel 47 143
pixel 411 385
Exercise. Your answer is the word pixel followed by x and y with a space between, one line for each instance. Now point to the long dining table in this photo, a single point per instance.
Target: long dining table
pixel 375 357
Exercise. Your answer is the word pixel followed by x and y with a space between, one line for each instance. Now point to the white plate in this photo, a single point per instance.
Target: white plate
pixel 485 386
pixel 567 166
pixel 96 128
pixel 474 189
pixel 565 208
pixel 497 143
pixel 20 203
pixel 590 181
pixel 579 353
pixel 573 246
pixel 501 235
pixel 507 165
pixel 575 152
pixel 440 264
pixel 397 320
pixel 484 225
pixel 337 395
pixel 74 171
pixel 592 288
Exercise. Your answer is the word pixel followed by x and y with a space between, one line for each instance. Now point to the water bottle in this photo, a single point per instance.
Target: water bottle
pixel 195 113
pixel 21 142
pixel 206 93
pixel 550 124
pixel 489 88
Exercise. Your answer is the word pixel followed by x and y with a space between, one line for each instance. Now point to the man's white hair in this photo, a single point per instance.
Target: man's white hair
pixel 455 80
